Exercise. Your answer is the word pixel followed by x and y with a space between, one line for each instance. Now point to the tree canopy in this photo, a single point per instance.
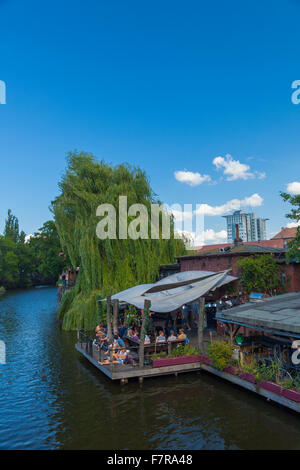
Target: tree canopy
pixel 109 265
pixel 35 261
pixel 260 273
pixel 294 214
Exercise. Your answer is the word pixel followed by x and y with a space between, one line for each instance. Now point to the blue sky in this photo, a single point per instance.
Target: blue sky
pixel 165 85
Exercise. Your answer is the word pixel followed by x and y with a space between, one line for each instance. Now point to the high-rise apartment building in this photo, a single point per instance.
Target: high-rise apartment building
pixel 251 227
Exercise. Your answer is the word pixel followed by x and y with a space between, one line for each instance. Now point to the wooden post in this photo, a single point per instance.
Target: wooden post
pixel 200 324
pixel 115 316
pixel 109 329
pixel 145 314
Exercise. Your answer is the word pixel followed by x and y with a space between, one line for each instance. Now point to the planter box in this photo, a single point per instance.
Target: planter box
pixel 206 360
pixel 291 394
pixel 270 386
pixel 231 370
pixel 246 376
pixel 174 361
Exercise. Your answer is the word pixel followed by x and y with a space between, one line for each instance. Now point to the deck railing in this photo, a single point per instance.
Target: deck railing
pixel 90 347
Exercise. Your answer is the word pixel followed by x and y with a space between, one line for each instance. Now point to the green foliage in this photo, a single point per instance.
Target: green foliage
pixel 2 290
pixel 11 229
pixel 260 273
pixel 160 355
pixel 106 266
pixel 220 353
pixel 294 245
pixel 25 263
pixel 185 350
pixel 45 252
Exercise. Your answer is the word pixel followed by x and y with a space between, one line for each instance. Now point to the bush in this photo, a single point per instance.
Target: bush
pixel 186 350
pixel 2 290
pixel 220 353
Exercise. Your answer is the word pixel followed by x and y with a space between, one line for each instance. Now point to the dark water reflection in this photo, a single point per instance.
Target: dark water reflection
pixel 51 398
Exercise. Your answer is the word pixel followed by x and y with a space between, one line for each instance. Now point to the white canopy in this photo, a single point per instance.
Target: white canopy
pixel 171 292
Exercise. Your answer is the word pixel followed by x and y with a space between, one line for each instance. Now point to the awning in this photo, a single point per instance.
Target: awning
pixel 171 292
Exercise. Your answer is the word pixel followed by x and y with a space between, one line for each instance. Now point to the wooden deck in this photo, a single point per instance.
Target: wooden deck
pixel 125 372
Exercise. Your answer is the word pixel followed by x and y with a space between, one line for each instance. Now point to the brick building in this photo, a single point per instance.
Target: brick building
pixel 222 258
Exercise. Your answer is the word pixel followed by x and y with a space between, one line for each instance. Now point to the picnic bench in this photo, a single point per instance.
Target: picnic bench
pixel 153 348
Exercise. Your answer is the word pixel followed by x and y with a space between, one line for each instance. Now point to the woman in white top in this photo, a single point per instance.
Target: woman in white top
pixel 161 338
pixel 172 337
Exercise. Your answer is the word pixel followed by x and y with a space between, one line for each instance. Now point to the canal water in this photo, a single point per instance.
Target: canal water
pixel 52 398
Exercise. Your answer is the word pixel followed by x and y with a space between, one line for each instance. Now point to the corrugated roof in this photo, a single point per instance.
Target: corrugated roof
pixel 281 312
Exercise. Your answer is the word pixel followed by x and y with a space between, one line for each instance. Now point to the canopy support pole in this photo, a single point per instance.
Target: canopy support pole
pixel 108 318
pixel 145 315
pixel 201 307
pixel 115 316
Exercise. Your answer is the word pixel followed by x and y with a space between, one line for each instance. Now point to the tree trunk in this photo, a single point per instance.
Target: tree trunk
pixel 200 324
pixel 145 315
pixel 115 316
pixel 108 314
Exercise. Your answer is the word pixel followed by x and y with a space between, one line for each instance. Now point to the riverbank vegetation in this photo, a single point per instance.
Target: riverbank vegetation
pixel 110 265
pixel 24 263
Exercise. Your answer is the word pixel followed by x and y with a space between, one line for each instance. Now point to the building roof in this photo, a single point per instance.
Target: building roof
pixel 281 312
pixel 274 243
pixel 286 232
pixel 243 249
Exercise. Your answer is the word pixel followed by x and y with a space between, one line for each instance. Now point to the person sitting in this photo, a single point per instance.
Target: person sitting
pixel 102 338
pixel 172 336
pixel 161 337
pixel 130 332
pixel 147 339
pixel 136 336
pixel 119 341
pixel 123 331
pixel 182 336
pixel 121 355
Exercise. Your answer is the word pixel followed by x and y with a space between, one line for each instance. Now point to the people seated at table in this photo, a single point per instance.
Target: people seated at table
pixel 161 337
pixel 172 336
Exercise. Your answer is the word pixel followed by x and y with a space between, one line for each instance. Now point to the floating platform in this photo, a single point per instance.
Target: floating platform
pixel 124 372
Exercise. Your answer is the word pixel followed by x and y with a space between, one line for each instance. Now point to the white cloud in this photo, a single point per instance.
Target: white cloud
pixel 293 224
pixel 190 178
pixel 208 237
pixel 293 188
pixel 234 169
pixel 181 215
pixel 27 237
pixel 234 204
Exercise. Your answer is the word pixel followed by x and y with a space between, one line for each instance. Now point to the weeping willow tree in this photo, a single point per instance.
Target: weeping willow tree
pixel 109 265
